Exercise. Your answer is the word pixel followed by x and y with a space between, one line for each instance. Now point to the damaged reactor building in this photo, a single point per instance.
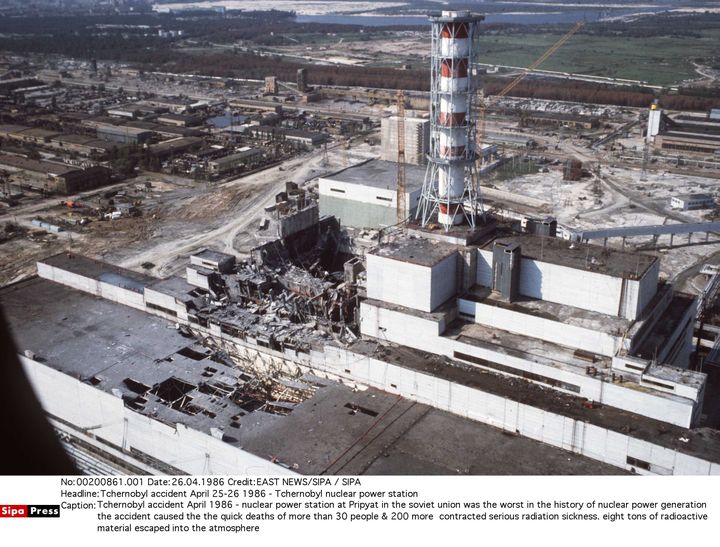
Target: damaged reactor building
pixel 310 357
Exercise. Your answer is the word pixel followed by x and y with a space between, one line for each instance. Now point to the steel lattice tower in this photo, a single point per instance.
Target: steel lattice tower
pixel 450 190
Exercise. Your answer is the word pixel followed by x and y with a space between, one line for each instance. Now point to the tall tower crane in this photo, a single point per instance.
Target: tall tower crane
pixel 483 103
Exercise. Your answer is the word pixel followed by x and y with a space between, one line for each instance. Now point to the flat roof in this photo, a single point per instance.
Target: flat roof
pixel 707 197
pixel 122 130
pixel 100 271
pixel 380 174
pixel 629 265
pixel 416 250
pixel 177 287
pixel 177 143
pixel 37 132
pixel 104 344
pixel 214 256
pixel 37 166
pixel 702 442
pixel 236 156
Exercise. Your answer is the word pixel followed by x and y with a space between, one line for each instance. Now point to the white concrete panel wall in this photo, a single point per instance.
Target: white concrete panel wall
pixel 122 296
pixel 401 328
pixel 648 288
pixel 69 279
pixel 187 449
pixel 196 278
pixel 560 431
pixel 569 286
pixel 545 329
pixel 582 289
pixel 638 293
pixel 677 411
pixel 484 268
pixel 444 280
pixel 366 194
pixel 399 282
pixel 163 300
pixel 92 286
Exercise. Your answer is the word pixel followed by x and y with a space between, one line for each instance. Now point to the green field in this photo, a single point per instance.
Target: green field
pixel 657 60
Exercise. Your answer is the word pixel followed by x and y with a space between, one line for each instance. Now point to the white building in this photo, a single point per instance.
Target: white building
pixel 365 195
pixel 688 202
pixel 586 321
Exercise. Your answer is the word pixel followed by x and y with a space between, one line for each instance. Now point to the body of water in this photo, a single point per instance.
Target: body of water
pixel 571 16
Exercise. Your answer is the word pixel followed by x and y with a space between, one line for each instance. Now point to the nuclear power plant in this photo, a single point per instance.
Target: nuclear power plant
pixel 385 322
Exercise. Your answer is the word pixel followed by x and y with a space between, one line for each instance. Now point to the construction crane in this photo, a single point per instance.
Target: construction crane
pixel 483 104
pixel 402 214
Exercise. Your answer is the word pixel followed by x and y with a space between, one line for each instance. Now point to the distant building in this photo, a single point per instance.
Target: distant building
pixel 124 134
pixel 230 163
pixel 688 202
pixel 55 177
pixel 558 119
pixel 171 147
pixel 81 144
pixel 302 84
pixel 267 132
pixel 178 120
pixel 271 85
pixel 689 134
pixel 417 139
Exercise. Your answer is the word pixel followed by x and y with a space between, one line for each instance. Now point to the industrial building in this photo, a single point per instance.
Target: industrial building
pixel 179 120
pixel 53 177
pixel 684 133
pixel 146 398
pixel 417 139
pixel 171 147
pixel 228 164
pixel 81 144
pixel 365 195
pixel 559 119
pixel 53 139
pixel 595 323
pixel 580 349
pixel 124 134
pixel 269 132
pixel 689 202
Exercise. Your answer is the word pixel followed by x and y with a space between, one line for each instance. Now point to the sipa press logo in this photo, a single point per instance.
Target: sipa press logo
pixel 29 511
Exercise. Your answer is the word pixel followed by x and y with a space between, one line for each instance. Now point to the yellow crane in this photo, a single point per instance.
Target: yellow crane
pixel 483 103
pixel 400 197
